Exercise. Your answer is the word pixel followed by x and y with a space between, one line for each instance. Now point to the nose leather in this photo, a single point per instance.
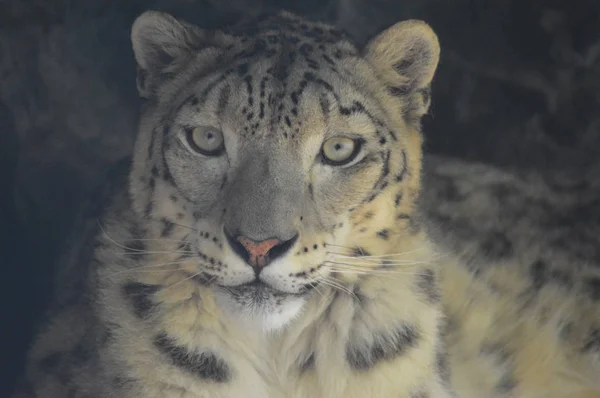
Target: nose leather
pixel 258 251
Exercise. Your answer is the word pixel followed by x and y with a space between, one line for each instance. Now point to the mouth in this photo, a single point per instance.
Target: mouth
pixel 257 303
pixel 256 290
pixel 259 291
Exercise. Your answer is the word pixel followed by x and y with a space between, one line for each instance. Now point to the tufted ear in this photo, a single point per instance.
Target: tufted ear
pixel 160 43
pixel 406 56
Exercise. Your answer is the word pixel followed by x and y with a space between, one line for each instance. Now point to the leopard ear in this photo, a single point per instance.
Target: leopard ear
pixel 405 56
pixel 160 43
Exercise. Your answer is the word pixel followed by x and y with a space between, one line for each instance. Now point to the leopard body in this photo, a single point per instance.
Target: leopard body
pixel 156 298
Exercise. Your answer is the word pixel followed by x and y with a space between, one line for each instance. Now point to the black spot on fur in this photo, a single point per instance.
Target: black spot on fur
pixel 122 382
pixel 593 341
pixel 223 100
pixel 385 346
pixel 109 332
pixel 506 384
pixel 398 199
pixel 497 246
pixel 167 228
pixel 441 364
pixel 134 247
pixel 308 363
pixel 450 190
pixel 242 69
pixel 325 105
pixel 311 191
pixel 223 182
pixel 502 357
pixel 149 208
pixel 404 170
pixel 427 285
pixel 204 279
pixel 419 393
pixel 360 252
pixel 205 365
pixel 401 91
pixel 425 95
pixel 359 297
pixel 404 65
pixel 140 296
pixel 383 234
pixel 538 274
pixel 151 145
pixel 541 274
pixel 593 285
pixel 385 171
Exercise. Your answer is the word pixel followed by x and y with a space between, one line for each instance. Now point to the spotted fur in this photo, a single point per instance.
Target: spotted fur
pixel 160 300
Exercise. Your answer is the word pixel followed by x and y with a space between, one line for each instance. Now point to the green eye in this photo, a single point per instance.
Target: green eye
pixel 337 151
pixel 206 140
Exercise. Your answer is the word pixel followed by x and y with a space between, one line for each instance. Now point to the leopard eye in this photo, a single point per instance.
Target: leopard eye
pixel 206 140
pixel 338 151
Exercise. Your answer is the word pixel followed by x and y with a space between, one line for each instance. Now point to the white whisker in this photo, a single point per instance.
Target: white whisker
pixel 140 252
pixel 327 280
pixel 343 247
pixel 135 269
pixel 377 256
pixel 181 281
pixel 184 226
pixel 373 272
pixel 380 265
pixel 158 240
pixel 114 241
pixel 315 284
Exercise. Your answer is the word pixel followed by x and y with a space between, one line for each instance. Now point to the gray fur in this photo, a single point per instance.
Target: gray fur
pixel 263 202
pixel 490 213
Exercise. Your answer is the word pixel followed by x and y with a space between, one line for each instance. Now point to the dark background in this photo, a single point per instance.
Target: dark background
pixel 518 87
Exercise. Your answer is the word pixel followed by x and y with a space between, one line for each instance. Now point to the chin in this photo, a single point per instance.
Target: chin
pixel 259 306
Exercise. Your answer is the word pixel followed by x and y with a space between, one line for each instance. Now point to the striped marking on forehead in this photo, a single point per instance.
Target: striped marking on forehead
pixel 269 104
pixel 272 70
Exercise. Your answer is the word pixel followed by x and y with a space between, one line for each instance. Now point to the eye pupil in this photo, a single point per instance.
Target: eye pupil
pixel 338 147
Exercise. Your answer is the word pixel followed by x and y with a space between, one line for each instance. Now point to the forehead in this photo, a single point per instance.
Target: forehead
pixel 283 48
pixel 288 79
pixel 279 68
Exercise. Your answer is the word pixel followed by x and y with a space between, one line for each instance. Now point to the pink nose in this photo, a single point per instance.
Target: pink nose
pixel 258 252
